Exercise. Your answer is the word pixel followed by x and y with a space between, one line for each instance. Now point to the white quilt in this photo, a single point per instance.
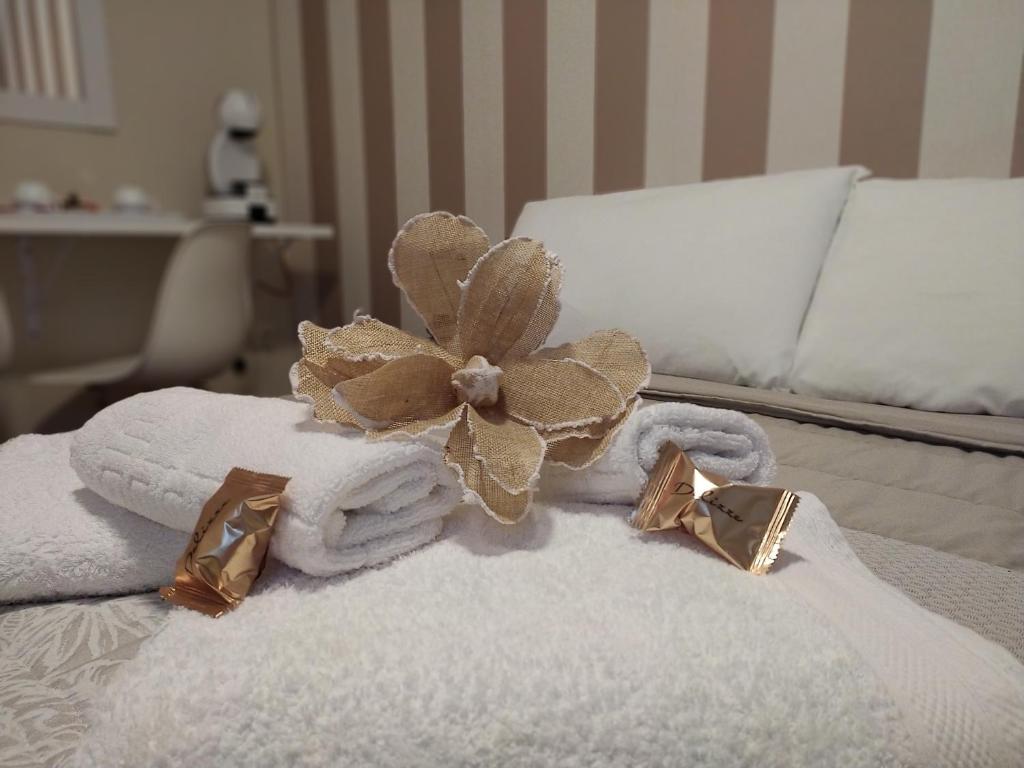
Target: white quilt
pixel 572 640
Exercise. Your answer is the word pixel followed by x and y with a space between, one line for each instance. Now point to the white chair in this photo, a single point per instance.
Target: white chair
pixel 200 320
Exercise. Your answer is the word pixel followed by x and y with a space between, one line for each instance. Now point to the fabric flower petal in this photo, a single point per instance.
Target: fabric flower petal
pixel 545 315
pixel 594 429
pixel 614 353
pixel 503 506
pixel 557 394
pixel 328 367
pixel 505 291
pixel 315 375
pixel 407 389
pixel 578 452
pixel 370 339
pixel 430 256
pixel 424 428
pixel 511 452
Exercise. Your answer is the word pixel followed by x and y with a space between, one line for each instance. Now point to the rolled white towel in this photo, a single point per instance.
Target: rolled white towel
pixel 728 443
pixel 350 502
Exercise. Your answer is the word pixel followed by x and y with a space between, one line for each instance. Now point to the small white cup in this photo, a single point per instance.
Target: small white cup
pixel 32 196
pixel 130 199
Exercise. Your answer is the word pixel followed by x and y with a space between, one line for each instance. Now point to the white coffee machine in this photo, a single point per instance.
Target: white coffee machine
pixel 235 171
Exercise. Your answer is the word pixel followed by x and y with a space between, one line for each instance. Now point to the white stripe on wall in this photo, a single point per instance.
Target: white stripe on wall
pixel 970 104
pixel 292 131
pixel 483 115
pixel 409 96
pixel 26 47
pixel 676 67
pixel 46 50
pixel 571 40
pixel 69 51
pixel 808 64
pixel 347 115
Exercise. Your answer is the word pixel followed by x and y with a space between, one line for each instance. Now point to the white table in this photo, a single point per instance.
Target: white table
pixel 139 225
pixel 71 225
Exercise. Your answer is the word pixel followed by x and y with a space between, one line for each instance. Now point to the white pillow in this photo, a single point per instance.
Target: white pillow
pixel 921 299
pixel 714 278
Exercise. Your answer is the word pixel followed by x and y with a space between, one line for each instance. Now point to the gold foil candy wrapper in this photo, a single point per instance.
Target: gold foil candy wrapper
pixel 745 524
pixel 228 548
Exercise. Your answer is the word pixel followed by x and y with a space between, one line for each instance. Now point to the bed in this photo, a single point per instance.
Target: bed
pixel 55 656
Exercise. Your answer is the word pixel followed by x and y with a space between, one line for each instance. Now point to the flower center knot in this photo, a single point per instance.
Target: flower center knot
pixel 478 383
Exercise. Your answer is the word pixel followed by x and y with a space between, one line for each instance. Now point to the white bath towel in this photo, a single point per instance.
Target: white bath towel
pixel 570 639
pixel 728 443
pixel 350 502
pixel 59 539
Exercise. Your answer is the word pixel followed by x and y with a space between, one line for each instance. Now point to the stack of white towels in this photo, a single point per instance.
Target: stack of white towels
pixel 568 639
pixel 107 509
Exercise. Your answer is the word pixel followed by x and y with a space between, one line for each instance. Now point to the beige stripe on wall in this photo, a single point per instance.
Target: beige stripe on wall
pixel 883 99
pixel 620 98
pixel 524 51
pixel 379 143
pixel 676 73
pixel 970 97
pixel 483 115
pixel 347 114
pixel 738 88
pixel 570 97
pixel 808 58
pixel 412 164
pixel 443 30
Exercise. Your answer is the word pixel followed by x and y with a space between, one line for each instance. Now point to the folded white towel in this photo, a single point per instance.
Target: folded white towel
pixel 59 539
pixel 728 443
pixel 570 639
pixel 350 502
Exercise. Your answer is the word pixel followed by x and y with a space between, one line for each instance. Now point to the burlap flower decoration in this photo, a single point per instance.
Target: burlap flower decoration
pixel 502 403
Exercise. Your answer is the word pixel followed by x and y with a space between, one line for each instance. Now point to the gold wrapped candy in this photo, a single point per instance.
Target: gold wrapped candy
pixel 228 547
pixel 745 524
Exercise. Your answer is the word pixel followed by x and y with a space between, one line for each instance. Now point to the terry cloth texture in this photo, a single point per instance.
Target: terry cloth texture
pixel 979 596
pixel 728 443
pixel 570 639
pixel 59 539
pixel 350 503
pixel 55 657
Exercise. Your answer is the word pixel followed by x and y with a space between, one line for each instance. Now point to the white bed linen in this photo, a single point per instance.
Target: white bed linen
pixel 571 637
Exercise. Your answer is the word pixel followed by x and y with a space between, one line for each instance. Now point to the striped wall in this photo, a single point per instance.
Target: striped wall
pixel 479 106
